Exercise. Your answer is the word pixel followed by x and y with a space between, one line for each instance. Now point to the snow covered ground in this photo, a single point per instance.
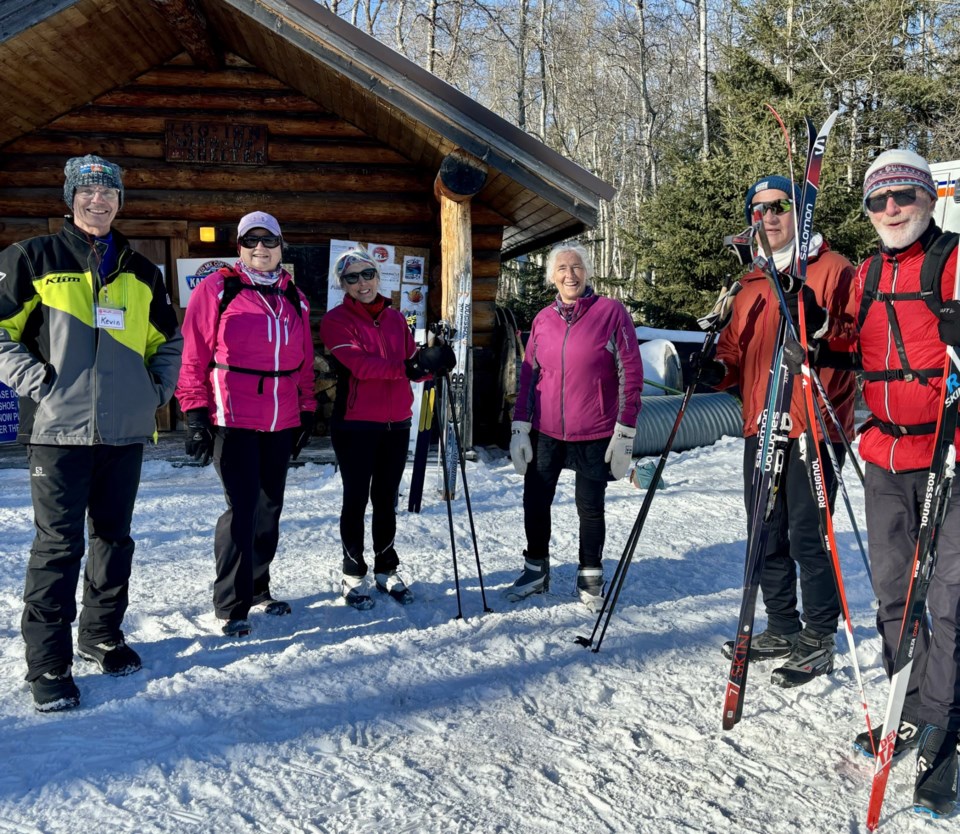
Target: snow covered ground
pixel 409 720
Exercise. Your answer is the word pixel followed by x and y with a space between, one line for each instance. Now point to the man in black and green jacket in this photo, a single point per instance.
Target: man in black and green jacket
pixel 89 341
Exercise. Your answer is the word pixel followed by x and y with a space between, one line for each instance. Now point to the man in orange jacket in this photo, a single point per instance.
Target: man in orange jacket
pixel 744 355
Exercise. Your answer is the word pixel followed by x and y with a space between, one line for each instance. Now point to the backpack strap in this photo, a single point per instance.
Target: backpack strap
pixel 232 286
pixel 931 272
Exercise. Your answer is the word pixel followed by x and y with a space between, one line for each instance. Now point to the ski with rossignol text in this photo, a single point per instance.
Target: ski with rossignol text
pixel 775 427
pixel 936 501
pixel 458 337
pixel 811 450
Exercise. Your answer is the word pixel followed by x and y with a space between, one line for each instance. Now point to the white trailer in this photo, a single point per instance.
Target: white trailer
pixel 947 211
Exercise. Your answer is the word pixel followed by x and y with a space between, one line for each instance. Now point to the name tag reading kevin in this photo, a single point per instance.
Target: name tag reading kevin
pixel 109 318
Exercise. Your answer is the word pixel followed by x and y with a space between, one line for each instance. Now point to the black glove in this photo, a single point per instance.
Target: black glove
pixel 793 355
pixel 199 435
pixel 815 315
pixel 949 325
pixel 711 371
pixel 303 435
pixel 438 359
pixel 414 368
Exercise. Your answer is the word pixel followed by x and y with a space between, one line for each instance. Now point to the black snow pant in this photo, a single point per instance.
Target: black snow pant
pixel 550 457
pixel 252 466
pixel 893 505
pixel 71 485
pixel 372 460
pixel 795 541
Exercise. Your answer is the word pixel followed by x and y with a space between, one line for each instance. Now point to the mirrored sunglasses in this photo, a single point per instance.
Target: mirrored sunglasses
pixel 776 206
pixel 878 202
pixel 251 241
pixel 353 277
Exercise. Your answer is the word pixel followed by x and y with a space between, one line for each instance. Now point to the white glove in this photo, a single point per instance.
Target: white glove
pixel 521 450
pixel 620 451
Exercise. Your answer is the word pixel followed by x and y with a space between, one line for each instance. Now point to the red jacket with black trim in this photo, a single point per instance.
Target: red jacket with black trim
pixel 898 401
pixel 747 342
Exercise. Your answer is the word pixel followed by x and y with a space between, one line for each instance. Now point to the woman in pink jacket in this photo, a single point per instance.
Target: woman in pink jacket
pixel 246 387
pixel 375 357
pixel 576 409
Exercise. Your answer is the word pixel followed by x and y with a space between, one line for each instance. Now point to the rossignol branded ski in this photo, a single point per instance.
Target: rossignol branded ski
pixel 936 501
pixel 458 337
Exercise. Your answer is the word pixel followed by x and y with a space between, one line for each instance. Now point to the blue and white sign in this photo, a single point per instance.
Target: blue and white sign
pixel 9 414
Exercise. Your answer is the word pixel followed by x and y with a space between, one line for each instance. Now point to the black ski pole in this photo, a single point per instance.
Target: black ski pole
pixel 454 417
pixel 836 422
pixel 453 538
pixel 616 584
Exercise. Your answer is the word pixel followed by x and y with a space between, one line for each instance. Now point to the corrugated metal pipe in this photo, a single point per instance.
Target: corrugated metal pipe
pixel 708 418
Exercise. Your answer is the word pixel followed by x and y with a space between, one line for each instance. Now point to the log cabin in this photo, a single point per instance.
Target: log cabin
pixel 214 108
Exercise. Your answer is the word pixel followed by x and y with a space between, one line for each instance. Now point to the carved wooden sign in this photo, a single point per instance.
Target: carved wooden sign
pixel 215 143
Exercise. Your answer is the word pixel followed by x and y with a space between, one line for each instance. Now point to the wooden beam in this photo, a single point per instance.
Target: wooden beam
pixel 460 177
pixel 190 26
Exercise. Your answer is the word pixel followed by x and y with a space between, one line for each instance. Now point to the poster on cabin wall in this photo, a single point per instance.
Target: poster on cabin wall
pixel 10 414
pixel 413 291
pixel 191 271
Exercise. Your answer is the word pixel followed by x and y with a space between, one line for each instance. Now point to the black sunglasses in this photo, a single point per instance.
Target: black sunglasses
pixel 776 206
pixel 878 202
pixel 251 241
pixel 353 277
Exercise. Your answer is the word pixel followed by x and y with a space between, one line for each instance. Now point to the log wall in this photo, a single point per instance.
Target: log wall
pixel 323 178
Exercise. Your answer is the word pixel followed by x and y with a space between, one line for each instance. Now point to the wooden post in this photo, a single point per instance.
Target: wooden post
pixel 461 176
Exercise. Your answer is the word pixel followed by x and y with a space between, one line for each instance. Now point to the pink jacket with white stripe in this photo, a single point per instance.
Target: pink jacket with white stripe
pixel 255 332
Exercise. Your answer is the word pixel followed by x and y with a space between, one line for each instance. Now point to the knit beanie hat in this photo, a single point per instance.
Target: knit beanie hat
pixel 898 167
pixel 90 170
pixel 351 257
pixel 773 181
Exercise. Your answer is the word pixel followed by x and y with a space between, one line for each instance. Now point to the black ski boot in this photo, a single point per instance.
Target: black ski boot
pixel 391 583
pixel 935 793
pixel 535 579
pixel 114 657
pixel 766 646
pixel 590 588
pixel 55 691
pixel 908 734
pixel 812 657
pixel 271 606
pixel 355 593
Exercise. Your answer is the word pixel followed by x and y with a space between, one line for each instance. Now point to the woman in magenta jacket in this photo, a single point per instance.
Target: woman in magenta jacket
pixel 576 409
pixel 375 357
pixel 246 387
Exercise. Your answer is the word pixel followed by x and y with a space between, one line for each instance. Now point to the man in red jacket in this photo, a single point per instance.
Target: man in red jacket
pixel 902 339
pixel 744 355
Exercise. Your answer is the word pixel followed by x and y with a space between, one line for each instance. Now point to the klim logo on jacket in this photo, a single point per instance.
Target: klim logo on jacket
pixel 63 279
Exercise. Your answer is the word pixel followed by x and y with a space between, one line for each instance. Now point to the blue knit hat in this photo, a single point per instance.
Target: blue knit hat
pixel 773 181
pixel 90 170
